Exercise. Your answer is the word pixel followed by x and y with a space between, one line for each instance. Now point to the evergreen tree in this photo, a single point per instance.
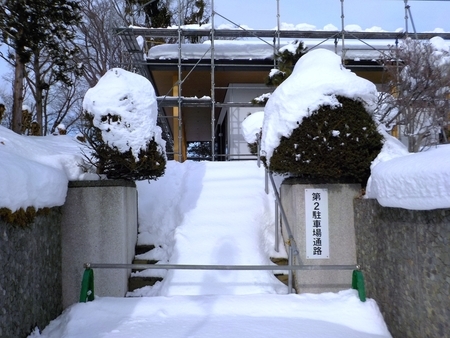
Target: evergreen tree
pixel 286 60
pixel 195 15
pixel 37 31
pixel 156 12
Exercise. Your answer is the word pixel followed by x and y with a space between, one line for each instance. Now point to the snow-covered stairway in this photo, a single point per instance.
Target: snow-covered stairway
pixel 136 281
pixel 209 213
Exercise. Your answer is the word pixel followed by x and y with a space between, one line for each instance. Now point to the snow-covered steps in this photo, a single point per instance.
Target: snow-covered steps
pixel 209 213
pixel 135 283
pixel 138 280
pixel 228 222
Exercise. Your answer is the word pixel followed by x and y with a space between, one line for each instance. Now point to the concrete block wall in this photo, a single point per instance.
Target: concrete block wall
pixel 99 225
pixel 342 247
pixel 30 278
pixel 405 256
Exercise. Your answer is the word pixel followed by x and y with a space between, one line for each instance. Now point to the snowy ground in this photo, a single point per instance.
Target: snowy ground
pixel 215 213
pixel 320 316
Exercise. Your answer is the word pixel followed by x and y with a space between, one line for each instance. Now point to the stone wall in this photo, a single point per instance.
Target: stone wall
pixel 405 256
pixel 30 278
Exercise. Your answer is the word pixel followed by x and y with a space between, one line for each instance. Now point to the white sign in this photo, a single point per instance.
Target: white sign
pixel 317 235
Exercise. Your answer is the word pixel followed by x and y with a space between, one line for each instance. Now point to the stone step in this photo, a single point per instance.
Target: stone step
pixel 281 275
pixel 139 282
pixel 142 261
pixel 136 282
pixel 140 249
pixel 283 278
pixel 279 261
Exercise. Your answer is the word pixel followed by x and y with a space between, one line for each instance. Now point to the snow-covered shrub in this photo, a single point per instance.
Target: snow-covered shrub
pixel 251 128
pixel 332 144
pixel 318 124
pixel 120 114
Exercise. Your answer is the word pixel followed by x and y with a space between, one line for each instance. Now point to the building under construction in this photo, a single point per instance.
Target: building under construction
pixel 205 89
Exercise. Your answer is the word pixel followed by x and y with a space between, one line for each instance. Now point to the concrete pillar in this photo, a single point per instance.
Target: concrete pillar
pixel 342 246
pixel 99 225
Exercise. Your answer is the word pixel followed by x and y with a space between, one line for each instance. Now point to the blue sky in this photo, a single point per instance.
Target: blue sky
pixel 387 14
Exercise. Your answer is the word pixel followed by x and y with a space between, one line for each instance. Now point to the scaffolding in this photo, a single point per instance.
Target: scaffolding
pixel 209 61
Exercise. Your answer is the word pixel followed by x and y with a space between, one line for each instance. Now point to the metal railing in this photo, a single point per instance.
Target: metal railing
pixel 290 267
pixel 87 284
pixel 217 267
pixel 292 245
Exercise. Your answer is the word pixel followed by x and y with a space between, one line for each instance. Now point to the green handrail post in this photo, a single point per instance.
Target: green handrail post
pixel 358 284
pixel 87 286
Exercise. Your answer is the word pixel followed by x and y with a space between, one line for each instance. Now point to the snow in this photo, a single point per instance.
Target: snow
pixel 308 315
pixel 35 170
pixel 439 44
pixel 252 49
pixel 223 49
pixel 241 237
pixel 218 213
pixel 415 181
pixel 258 50
pixel 252 126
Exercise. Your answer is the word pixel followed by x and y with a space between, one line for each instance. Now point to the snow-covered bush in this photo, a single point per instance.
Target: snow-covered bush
pixel 120 114
pixel 251 128
pixel 333 144
pixel 318 123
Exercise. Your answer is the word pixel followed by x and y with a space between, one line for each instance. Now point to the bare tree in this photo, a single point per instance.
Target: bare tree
pixel 100 47
pixel 6 100
pixel 417 92
pixel 58 102
pixel 64 106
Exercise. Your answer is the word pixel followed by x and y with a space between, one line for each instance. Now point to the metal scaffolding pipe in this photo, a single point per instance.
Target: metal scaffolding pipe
pixel 412 22
pixel 343 33
pixel 213 90
pixel 277 228
pixel 180 121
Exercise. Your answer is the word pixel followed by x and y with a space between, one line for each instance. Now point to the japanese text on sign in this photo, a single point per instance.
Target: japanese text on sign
pixel 316 212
